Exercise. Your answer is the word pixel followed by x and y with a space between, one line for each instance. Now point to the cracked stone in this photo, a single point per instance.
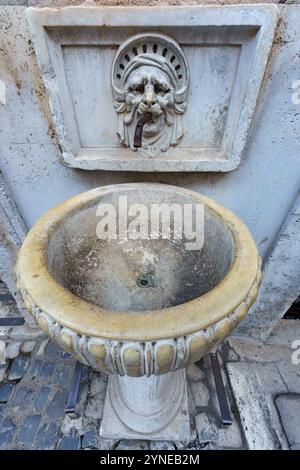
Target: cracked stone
pixel 29 428
pixel 47 436
pixel 7 429
pixel 162 445
pixel 289 409
pixel 69 443
pixel 42 399
pixel 90 439
pixel 18 368
pixel 6 391
pixel 194 373
pixel 46 370
pixel 229 437
pixel 206 429
pixel 72 425
pixel 57 405
pixel 106 444
pixel 22 395
pixel 132 445
pixel 62 374
pixel 200 393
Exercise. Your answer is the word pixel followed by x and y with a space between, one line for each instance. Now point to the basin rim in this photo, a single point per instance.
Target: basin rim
pixel 38 284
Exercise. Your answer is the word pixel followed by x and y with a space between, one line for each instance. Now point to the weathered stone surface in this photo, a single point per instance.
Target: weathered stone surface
pixel 57 405
pixel 28 347
pixel 7 429
pixel 90 439
pixel 215 107
pixel 69 443
pixel 41 400
pixel 200 393
pixel 6 391
pixel 194 373
pixel 252 350
pixel 18 368
pixel 29 429
pixel 22 396
pixel 47 436
pixel 206 429
pixel 12 349
pixel 255 405
pixel 162 445
pixel 3 369
pixel 132 445
pixel 289 409
pixel 229 437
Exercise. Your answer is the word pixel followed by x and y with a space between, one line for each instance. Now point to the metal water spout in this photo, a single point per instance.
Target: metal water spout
pixel 137 140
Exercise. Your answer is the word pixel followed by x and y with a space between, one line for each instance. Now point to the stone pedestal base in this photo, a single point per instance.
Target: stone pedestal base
pixel 154 408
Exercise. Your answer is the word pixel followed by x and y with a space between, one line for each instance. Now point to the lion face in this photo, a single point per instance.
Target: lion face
pixel 149 90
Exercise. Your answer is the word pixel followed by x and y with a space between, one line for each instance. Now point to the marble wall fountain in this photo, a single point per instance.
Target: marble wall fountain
pixel 124 91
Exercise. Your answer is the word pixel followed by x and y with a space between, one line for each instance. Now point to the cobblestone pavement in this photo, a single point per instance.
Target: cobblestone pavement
pixel 262 385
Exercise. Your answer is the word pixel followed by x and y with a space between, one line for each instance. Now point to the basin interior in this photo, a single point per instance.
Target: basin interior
pixel 142 274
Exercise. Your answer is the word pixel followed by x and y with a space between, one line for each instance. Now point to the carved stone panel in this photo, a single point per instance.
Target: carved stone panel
pixel 196 70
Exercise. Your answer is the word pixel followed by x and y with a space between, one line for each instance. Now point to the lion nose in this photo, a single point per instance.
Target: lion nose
pixel 149 97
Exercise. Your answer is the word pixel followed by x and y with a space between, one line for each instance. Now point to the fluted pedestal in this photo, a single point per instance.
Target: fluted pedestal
pixel 153 408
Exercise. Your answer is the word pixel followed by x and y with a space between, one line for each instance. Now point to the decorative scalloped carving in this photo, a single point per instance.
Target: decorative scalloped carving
pixel 134 358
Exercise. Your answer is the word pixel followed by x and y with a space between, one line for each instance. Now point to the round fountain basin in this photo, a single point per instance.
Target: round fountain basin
pixel 126 294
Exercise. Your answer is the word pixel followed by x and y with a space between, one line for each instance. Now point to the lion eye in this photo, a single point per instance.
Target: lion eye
pixel 136 89
pixel 160 89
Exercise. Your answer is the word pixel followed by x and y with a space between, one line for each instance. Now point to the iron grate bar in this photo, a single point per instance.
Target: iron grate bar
pixel 221 392
pixel 12 321
pixel 72 400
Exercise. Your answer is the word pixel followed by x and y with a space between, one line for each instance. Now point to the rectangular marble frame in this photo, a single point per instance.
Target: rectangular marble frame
pixel 251 27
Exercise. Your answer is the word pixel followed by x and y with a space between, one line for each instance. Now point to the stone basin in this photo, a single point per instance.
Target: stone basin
pixel 139 308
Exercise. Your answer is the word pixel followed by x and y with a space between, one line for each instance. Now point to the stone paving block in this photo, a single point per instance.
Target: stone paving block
pixel 22 396
pixel 162 445
pixel 289 409
pixel 2 407
pixel 6 391
pixel 34 368
pixel 61 375
pixel 106 444
pixel 46 370
pixel 47 436
pixel 69 443
pixel 6 439
pixel 18 368
pixel 7 430
pixel 41 400
pixel 254 404
pixel 29 429
pixel 200 393
pixel 57 405
pixel 290 374
pixel 132 444
pixel 206 429
pixel 229 437
pixel 90 439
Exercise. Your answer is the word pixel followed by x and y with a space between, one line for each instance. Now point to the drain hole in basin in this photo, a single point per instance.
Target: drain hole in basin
pixel 146 280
